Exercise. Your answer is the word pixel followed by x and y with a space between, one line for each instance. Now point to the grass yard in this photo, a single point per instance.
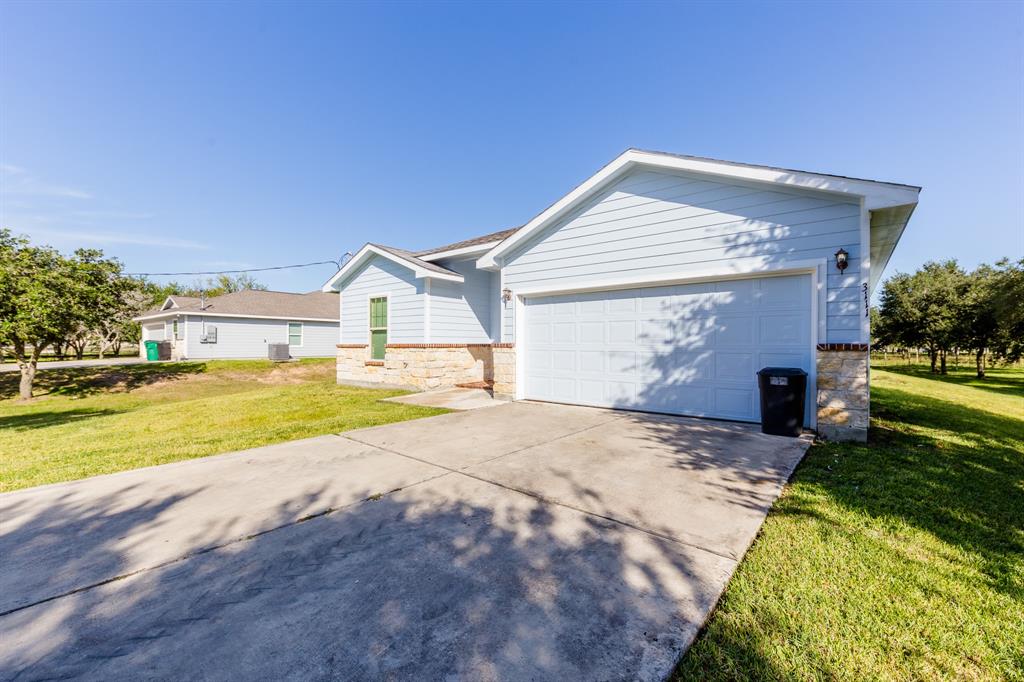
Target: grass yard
pixel 93 421
pixel 899 560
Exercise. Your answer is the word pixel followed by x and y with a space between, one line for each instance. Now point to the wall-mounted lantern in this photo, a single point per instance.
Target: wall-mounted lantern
pixel 506 295
pixel 842 259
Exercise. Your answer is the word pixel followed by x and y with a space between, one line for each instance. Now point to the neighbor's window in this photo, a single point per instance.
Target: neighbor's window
pixel 294 333
pixel 378 327
pixel 174 326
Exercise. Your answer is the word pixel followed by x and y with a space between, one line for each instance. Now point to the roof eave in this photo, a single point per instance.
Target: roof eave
pixel 369 251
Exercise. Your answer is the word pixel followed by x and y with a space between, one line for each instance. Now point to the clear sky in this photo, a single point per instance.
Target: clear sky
pixel 200 136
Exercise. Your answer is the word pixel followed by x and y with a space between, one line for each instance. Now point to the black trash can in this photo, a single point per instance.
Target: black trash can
pixel 782 400
pixel 163 350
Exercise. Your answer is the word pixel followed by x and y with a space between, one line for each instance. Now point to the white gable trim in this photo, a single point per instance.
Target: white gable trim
pixel 368 252
pixel 873 194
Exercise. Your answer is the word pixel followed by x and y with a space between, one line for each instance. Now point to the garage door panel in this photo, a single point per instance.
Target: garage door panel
pixel 783 329
pixel 591 332
pixel 735 331
pixel 622 331
pixel 734 366
pixel 688 349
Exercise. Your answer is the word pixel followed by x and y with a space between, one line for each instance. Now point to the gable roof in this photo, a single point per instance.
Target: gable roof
pixel 420 268
pixel 253 303
pixel 875 195
pixel 175 301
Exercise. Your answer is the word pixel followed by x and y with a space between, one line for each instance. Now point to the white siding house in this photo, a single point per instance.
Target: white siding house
pixel 661 283
pixel 243 324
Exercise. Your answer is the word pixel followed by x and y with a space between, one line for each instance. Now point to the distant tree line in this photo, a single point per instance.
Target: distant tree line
pixel 66 304
pixel 944 309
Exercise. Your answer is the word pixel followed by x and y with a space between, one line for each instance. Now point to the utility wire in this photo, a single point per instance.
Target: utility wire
pixel 335 263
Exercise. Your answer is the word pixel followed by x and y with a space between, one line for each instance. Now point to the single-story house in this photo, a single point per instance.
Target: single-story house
pixel 661 283
pixel 241 324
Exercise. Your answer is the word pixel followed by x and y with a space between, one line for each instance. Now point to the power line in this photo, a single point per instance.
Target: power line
pixel 232 272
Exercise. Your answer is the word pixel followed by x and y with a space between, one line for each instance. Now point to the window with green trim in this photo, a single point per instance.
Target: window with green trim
pixel 294 333
pixel 378 327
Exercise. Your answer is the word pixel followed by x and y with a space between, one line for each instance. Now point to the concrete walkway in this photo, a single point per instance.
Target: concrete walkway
pixel 526 541
pixel 64 364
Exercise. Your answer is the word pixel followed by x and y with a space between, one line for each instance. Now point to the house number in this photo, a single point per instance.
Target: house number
pixel 867 305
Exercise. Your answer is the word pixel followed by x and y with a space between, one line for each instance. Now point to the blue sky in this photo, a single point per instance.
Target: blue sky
pixel 194 136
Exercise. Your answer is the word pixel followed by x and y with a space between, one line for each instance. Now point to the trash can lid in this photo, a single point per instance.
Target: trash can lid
pixel 781 372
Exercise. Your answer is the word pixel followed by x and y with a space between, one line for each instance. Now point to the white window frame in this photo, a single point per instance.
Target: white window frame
pixel 302 334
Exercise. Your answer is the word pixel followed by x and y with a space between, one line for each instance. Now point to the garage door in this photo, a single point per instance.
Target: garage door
pixel 689 349
pixel 155 332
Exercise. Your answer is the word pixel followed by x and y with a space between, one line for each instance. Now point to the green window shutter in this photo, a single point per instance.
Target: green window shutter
pixel 378 327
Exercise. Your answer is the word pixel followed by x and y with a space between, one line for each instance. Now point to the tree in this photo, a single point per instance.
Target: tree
pixel 46 298
pixel 220 285
pixel 924 309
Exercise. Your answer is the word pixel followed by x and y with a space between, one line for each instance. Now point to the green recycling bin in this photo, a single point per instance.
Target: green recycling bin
pixel 152 352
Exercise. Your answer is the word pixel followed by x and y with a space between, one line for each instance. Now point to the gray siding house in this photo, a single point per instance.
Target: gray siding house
pixel 241 324
pixel 662 283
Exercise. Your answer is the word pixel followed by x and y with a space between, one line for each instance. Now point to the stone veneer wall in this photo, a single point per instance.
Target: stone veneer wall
pixel 843 391
pixel 428 366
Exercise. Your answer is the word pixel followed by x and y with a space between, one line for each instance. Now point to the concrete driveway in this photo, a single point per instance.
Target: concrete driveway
pixel 525 541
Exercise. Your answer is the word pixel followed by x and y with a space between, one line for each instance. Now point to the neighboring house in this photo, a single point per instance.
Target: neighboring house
pixel 241 324
pixel 661 283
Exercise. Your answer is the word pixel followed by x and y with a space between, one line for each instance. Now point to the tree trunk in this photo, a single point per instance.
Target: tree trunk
pixel 933 356
pixel 28 371
pixel 979 359
pixel 942 358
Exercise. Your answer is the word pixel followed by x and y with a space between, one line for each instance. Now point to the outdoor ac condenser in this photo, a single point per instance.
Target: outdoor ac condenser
pixel 278 352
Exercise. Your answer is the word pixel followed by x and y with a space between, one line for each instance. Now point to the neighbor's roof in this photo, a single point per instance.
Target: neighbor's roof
pixel 179 301
pixel 252 303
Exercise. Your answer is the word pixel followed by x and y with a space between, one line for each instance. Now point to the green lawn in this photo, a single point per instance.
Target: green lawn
pixel 93 421
pixel 899 560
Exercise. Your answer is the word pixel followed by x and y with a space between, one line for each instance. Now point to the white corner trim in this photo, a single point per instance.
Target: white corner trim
pixel 369 251
pixel 464 251
pixel 426 311
pixel 874 194
pixel 865 274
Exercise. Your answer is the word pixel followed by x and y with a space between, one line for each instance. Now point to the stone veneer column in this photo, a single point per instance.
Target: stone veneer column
pixel 504 372
pixel 843 391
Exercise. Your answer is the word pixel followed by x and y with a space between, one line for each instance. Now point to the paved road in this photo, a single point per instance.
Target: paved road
pixel 525 541
pixel 61 364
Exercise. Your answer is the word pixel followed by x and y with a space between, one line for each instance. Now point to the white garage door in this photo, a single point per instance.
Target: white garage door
pixel 690 349
pixel 155 332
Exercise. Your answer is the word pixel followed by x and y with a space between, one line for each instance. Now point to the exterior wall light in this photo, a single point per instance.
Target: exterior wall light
pixel 506 295
pixel 842 259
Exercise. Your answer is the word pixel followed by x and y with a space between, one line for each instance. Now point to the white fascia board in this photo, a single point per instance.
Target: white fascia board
pixel 464 251
pixel 874 194
pixel 178 312
pixel 368 252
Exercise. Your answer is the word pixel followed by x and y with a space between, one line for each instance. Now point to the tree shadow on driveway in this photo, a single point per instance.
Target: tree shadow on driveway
pixel 450 578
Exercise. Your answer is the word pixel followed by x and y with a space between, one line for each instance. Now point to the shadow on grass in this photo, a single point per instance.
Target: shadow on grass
pixel 39 420
pixel 949 470
pixel 80 382
pixel 1001 380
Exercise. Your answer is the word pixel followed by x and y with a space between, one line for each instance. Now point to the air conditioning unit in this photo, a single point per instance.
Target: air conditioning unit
pixel 210 336
pixel 278 352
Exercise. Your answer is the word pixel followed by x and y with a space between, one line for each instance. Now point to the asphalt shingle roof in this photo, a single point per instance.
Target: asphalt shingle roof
pixel 483 239
pixel 255 303
pixel 411 257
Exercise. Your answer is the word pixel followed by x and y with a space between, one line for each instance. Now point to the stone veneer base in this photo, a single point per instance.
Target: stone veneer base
pixel 842 392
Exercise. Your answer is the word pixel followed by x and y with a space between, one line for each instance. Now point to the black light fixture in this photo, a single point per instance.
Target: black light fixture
pixel 842 259
pixel 506 295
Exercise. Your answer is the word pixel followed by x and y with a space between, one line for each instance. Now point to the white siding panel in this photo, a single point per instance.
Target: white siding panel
pixel 461 312
pixel 239 337
pixel 656 222
pixel 405 303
